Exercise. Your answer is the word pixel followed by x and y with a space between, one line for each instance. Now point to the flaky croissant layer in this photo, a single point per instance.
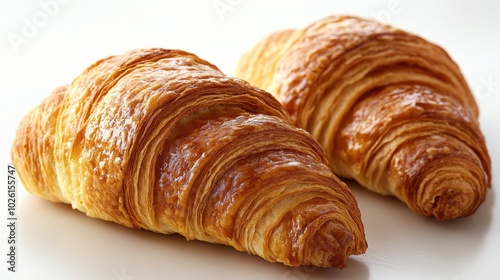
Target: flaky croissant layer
pixel 391 110
pixel 162 140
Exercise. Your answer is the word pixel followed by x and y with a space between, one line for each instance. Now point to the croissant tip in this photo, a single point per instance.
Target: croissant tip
pixel 331 245
pixel 455 199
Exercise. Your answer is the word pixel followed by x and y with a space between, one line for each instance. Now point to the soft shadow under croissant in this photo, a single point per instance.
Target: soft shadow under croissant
pixel 162 140
pixel 391 110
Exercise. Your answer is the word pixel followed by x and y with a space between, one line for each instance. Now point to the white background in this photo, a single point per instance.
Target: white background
pixel 42 48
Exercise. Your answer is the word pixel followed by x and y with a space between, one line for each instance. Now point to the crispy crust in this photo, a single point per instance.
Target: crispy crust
pixel 369 92
pixel 162 140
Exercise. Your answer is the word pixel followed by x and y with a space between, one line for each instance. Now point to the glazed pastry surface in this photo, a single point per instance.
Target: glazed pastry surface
pixel 162 140
pixel 391 110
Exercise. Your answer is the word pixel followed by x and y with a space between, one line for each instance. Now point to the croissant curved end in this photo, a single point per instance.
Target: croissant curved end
pixel 325 249
pixel 451 199
pixel 451 195
pixel 439 176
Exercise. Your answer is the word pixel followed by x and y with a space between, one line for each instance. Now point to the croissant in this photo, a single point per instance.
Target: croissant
pixel 162 140
pixel 391 110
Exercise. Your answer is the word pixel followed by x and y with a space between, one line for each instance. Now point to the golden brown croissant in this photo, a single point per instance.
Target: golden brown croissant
pixel 391 110
pixel 162 140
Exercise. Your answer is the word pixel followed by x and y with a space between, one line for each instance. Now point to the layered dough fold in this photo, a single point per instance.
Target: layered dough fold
pixel 162 140
pixel 391 110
